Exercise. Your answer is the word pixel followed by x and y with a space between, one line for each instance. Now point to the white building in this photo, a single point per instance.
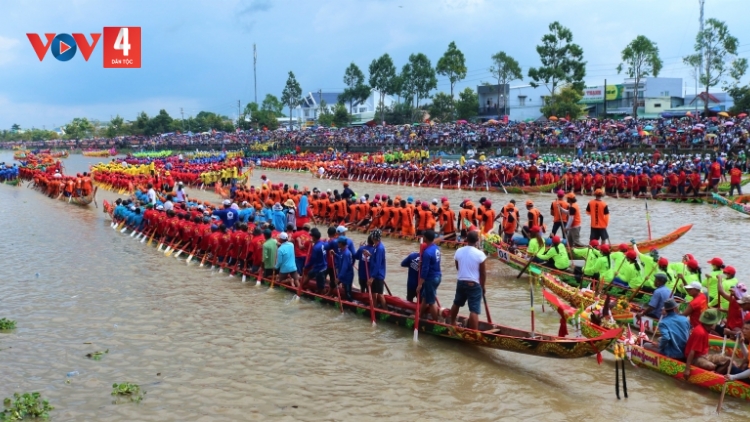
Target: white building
pixel 310 106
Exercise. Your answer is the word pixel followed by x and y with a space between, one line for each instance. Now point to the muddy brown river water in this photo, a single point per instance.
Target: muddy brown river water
pixel 207 347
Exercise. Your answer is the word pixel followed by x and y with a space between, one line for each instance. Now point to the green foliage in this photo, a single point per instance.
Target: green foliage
pixel 440 109
pixel 467 105
pixel 741 96
pixel 78 128
pixel 356 90
pixel 25 406
pixel 273 104
pixel 642 59
pixel 562 61
pixel 264 118
pixel 292 94
pixel 422 75
pixel 382 74
pixel 325 117
pixel 719 49
pixel 7 324
pixel 27 135
pixel 126 389
pixel 97 355
pixel 341 116
pixel 564 104
pixel 505 69
pixel 452 65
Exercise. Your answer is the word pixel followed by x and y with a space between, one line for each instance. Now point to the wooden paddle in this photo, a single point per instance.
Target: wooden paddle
pixel 729 369
pixel 648 219
pixel 486 307
pixel 372 303
pixel 336 283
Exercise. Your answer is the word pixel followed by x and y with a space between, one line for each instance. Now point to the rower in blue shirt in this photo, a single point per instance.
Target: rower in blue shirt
pixel 377 265
pixel 364 264
pixel 411 262
pixel 344 267
pixel 228 215
pixel 430 275
pixel 317 265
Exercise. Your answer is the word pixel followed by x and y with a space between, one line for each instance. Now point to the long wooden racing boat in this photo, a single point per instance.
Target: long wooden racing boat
pixel 520 190
pixel 80 200
pixel 623 308
pixel 653 360
pixel 495 336
pixel 733 205
pixel 517 260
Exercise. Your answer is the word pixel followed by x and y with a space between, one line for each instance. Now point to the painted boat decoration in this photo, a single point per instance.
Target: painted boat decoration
pixel 652 360
pixel 733 205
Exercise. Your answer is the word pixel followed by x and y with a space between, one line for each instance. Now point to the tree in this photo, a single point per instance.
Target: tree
pixel 714 49
pixel 564 103
pixel 441 108
pixel 356 91
pixel 741 97
pixel 115 127
pixel 562 61
pixel 341 116
pixel 15 128
pixel 467 105
pixel 452 65
pixel 641 57
pixel 264 118
pixel 292 95
pixel 78 128
pixel 423 76
pixel 505 69
pixel 161 123
pixel 325 117
pixel 382 72
pixel 406 84
pixel 273 104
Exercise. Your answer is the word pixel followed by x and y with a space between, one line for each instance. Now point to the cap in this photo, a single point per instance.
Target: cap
pixel 556 240
pixel 341 229
pixel 160 207
pixel 669 304
pixel 571 195
pixel 622 247
pixel 434 200
pixel 716 261
pixel 631 255
pixel 227 202
pixel 534 229
pixel 529 203
pixel 730 270
pixel 693 264
pixel 688 257
pixel 604 248
pixel 410 199
pixel 663 262
pixel 560 193
pixel 488 203
pixel 342 239
pixel 594 243
pixel 598 192
pixel 425 205
pixel 694 285
pixel 283 236
pixel 444 199
pixel 289 203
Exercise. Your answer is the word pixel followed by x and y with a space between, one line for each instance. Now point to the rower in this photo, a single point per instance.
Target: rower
pixel 599 212
pixel 430 276
pixel 697 305
pixel 556 256
pixel 658 299
pixel 559 218
pixel 470 264
pixel 536 244
pixel 735 310
pixel 589 254
pixel 376 282
pixel 696 349
pixel 535 218
pixel 344 267
pixel 412 262
pixel 742 372
pixel 674 329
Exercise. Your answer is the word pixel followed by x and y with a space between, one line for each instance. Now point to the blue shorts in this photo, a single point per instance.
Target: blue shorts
pixel 471 291
pixel 428 294
pixel 300 261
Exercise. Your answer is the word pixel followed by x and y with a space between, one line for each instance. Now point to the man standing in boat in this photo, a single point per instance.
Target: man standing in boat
pixel 376 266
pixel 599 212
pixel 430 276
pixel 470 263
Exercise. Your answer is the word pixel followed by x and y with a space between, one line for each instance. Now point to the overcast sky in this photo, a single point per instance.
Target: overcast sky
pixel 198 54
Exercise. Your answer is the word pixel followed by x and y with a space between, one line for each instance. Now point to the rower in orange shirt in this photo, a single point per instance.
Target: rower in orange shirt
pixel 488 217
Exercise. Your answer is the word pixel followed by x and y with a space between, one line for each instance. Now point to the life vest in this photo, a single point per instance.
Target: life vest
pixel 577 216
pixel 534 220
pixel 557 216
pixel 509 225
pixel 599 220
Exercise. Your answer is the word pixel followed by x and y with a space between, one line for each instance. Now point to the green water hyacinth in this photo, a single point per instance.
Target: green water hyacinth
pixel 25 406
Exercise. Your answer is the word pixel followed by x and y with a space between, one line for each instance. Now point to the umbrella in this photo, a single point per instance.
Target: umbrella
pixel 711 135
pixel 646 133
pixel 571 126
pixel 461 122
pixel 415 124
pixel 729 124
pixel 492 121
pixel 627 118
pixel 553 118
pixel 697 129
pixel 723 114
pixel 700 125
pixel 649 127
pixel 689 114
pixel 742 115
pixel 673 130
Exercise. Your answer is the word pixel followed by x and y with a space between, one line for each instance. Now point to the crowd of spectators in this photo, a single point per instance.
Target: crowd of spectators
pixel 719 133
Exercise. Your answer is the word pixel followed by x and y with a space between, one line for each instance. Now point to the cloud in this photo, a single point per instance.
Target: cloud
pixel 248 12
pixel 8 49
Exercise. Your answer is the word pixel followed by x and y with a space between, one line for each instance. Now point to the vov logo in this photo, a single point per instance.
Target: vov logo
pixel 122 46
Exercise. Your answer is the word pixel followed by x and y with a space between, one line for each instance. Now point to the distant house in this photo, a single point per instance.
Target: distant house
pixel 310 106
